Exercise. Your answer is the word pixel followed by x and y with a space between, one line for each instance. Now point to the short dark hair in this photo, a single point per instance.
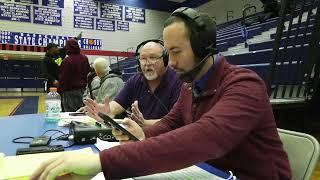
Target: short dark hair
pixel 202 34
pixel 177 19
pixel 51 45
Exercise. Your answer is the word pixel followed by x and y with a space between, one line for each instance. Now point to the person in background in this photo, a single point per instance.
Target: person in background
pixel 109 83
pixel 93 85
pixel 73 76
pixel 223 117
pixel 150 94
pixel 50 65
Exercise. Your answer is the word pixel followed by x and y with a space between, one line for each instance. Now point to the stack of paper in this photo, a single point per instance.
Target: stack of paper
pixel 190 173
pixel 101 145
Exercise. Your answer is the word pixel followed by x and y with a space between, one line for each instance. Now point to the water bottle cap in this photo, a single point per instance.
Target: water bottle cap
pixel 53 89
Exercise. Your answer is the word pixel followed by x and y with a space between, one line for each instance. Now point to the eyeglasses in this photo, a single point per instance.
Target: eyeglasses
pixel 151 60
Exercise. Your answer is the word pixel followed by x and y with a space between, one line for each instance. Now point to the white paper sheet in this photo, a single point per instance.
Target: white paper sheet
pixel 101 145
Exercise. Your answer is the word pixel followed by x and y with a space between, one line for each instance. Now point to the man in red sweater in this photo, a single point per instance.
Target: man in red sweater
pixel 222 116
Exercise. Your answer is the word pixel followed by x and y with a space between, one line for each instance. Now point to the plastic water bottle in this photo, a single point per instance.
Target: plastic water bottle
pixel 53 106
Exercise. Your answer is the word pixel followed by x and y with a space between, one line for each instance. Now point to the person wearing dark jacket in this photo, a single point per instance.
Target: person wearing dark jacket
pixel 50 65
pixel 73 76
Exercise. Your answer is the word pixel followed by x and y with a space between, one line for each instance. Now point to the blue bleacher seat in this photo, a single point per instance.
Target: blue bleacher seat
pixel 130 69
pixel 3 68
pixel 300 39
pixel 14 70
pixel 294 31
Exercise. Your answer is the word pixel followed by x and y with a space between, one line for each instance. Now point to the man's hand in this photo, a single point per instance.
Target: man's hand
pixel 136 115
pixel 69 162
pixel 92 108
pixel 132 127
pixel 82 109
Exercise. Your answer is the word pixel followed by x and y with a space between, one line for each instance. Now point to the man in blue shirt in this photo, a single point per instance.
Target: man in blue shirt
pixel 152 92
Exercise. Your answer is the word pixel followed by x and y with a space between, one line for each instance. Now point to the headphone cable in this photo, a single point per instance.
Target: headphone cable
pixel 160 102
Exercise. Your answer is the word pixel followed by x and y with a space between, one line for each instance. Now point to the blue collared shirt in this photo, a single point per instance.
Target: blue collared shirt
pixel 200 85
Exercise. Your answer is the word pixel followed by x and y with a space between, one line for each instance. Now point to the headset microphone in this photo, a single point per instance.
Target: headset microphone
pixel 189 76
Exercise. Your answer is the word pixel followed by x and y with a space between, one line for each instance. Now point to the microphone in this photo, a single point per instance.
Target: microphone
pixel 189 76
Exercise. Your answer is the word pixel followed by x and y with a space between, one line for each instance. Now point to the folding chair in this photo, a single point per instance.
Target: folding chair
pixel 303 152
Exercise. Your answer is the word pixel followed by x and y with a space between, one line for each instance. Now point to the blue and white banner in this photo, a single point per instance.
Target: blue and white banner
pixel 47 16
pixel 85 7
pixel 15 12
pixel 28 1
pixel 122 26
pixel 111 11
pixel 134 14
pixel 83 22
pixel 105 25
pixel 53 3
pixel 32 39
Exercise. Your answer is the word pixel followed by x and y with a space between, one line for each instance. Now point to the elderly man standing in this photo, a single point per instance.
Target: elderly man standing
pixel 110 84
pixel 105 84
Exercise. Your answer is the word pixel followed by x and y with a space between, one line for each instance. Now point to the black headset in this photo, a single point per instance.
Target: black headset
pixel 165 55
pixel 203 31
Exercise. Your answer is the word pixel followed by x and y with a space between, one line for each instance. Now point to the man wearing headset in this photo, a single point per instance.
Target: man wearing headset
pixel 222 116
pixel 153 91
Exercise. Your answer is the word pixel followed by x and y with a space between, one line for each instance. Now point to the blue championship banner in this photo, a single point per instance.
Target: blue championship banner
pixel 111 11
pixel 47 16
pixel 32 39
pixel 105 25
pixel 85 7
pixel 134 14
pixel 83 22
pixel 28 1
pixel 122 26
pixel 53 3
pixel 15 12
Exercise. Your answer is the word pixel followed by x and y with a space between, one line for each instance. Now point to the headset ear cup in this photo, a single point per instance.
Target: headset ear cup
pixel 138 62
pixel 165 57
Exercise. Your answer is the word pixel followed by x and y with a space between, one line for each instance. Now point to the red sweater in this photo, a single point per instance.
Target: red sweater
pixel 231 126
pixel 74 68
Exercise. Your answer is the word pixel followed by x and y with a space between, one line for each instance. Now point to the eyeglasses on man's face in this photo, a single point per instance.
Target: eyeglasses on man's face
pixel 150 60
